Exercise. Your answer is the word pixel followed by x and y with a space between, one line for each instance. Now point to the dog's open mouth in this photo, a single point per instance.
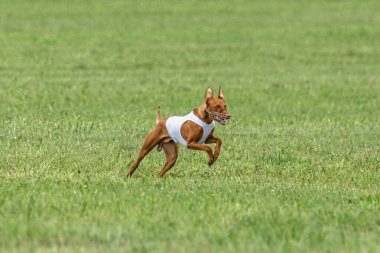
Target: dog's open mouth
pixel 221 118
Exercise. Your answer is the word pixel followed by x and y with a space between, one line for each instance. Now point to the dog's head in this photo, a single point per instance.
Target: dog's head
pixel 216 107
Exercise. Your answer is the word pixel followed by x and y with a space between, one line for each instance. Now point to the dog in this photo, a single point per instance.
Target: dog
pixel 191 130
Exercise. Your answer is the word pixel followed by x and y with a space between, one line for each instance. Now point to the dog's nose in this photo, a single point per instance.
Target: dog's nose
pixel 227 115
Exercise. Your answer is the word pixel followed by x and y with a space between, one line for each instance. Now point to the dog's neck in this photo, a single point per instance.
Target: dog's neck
pixel 202 114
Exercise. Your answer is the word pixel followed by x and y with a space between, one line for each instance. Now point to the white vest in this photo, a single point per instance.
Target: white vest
pixel 174 124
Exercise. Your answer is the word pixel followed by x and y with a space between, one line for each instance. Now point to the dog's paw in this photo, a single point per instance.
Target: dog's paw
pixel 211 161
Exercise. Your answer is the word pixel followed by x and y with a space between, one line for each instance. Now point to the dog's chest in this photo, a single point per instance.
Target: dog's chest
pixel 174 124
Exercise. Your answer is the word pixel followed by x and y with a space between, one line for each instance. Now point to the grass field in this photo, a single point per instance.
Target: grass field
pixel 299 169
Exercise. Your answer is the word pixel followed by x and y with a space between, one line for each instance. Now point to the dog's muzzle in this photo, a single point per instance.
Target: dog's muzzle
pixel 219 117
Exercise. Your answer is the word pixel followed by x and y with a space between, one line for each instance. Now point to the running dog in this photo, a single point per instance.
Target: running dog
pixel 191 130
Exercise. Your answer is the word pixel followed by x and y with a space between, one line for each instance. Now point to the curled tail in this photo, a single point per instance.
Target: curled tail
pixel 158 115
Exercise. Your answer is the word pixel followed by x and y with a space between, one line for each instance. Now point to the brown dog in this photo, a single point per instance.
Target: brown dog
pixel 191 130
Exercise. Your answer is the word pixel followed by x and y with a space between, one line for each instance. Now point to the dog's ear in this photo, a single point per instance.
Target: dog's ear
pixel 221 95
pixel 208 95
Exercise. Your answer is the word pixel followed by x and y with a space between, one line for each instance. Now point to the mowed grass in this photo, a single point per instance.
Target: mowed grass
pixel 299 168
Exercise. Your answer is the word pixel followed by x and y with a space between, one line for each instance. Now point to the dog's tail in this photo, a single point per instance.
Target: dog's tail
pixel 158 115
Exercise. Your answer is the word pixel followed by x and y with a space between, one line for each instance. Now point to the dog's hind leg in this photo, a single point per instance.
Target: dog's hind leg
pixel 151 140
pixel 171 152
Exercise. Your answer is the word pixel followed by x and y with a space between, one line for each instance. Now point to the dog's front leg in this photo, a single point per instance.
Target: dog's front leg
pixel 218 142
pixel 197 146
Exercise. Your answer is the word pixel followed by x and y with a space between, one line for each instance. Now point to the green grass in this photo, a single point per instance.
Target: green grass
pixel 299 169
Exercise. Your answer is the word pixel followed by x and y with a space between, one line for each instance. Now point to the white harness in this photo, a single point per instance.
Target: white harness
pixel 174 124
